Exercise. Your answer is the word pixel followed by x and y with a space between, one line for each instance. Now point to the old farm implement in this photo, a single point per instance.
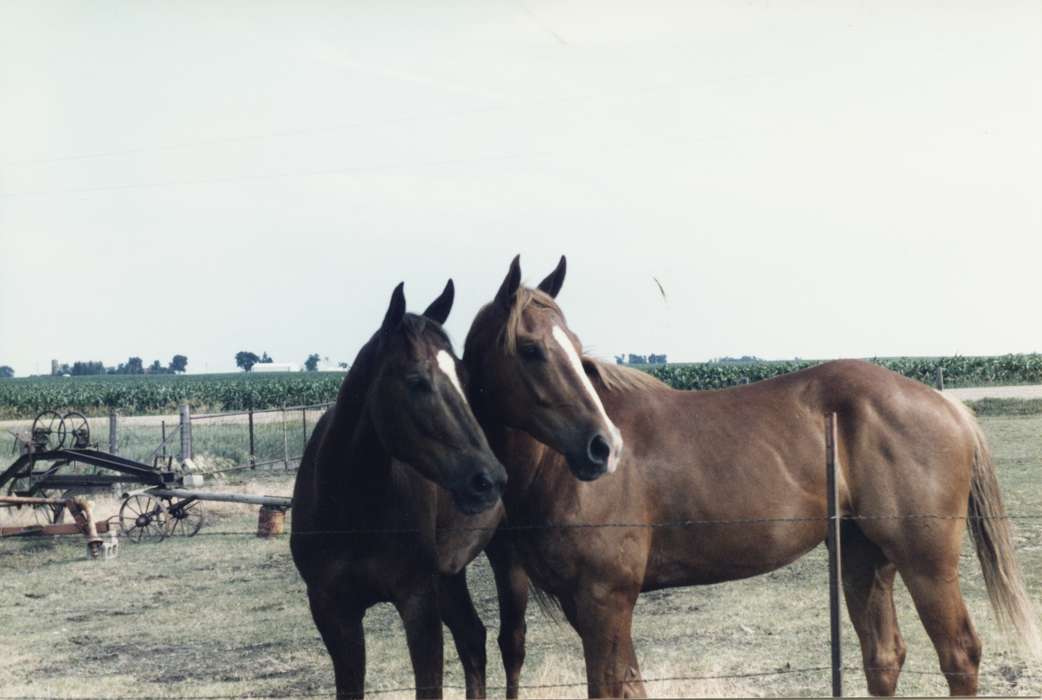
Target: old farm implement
pixel 159 499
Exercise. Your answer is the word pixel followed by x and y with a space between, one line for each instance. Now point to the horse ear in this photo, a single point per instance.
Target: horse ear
pixel 440 307
pixel 552 284
pixel 505 295
pixel 396 309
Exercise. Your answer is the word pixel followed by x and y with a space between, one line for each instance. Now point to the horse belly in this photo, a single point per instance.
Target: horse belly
pixel 705 554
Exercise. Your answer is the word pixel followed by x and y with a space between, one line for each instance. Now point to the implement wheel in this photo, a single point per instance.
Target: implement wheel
pixel 141 518
pixel 77 430
pixel 184 518
pixel 48 432
pixel 49 514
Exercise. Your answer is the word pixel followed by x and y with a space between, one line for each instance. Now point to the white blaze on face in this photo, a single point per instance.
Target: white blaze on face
pixel 614 436
pixel 448 365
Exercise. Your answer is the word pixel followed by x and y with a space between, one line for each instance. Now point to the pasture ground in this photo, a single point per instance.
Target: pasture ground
pixel 225 614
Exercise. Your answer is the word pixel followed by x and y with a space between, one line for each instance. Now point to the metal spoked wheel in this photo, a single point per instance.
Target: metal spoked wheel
pixel 50 514
pixel 77 430
pixel 48 431
pixel 184 518
pixel 142 518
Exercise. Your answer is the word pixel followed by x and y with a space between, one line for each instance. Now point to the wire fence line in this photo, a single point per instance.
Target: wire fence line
pixel 376 691
pixel 535 686
pixel 564 526
pixel 645 526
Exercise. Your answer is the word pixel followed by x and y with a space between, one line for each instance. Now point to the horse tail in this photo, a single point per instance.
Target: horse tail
pixel 990 529
pixel 549 604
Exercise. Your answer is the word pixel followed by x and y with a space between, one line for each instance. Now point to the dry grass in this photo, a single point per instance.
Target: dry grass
pixel 224 613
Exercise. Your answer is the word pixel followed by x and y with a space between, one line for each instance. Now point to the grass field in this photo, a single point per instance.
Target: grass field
pixel 225 614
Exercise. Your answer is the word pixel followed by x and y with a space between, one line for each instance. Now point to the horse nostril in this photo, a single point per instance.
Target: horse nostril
pixel 480 483
pixel 599 450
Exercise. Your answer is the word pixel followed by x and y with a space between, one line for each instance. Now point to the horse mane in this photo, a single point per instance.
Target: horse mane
pixel 618 378
pixel 612 377
pixel 523 298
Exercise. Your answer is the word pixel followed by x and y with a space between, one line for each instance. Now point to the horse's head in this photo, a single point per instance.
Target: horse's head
pixel 419 410
pixel 528 374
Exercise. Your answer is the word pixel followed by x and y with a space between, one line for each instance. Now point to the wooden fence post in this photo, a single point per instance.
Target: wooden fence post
pixel 940 378
pixel 113 446
pixel 186 432
pixel 832 540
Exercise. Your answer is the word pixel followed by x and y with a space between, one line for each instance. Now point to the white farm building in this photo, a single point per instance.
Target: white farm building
pixel 275 367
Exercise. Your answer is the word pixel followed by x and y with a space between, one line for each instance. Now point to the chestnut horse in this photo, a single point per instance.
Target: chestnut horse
pixel 753 453
pixel 396 461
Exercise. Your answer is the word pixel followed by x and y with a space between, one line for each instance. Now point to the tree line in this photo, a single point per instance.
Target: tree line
pixel 134 365
pixel 245 360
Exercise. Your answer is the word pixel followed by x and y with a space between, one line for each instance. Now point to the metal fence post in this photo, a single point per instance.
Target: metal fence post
pixel 253 456
pixel 285 441
pixel 186 432
pixel 304 423
pixel 832 540
pixel 940 378
pixel 162 445
pixel 113 447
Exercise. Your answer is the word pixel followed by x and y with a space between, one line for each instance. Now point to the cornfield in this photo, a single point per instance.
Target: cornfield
pixel 132 395
pixel 21 398
pixel 958 371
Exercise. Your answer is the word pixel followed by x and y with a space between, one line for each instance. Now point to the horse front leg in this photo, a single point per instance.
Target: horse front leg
pixel 512 589
pixel 604 620
pixel 338 616
pixel 422 619
pixel 468 631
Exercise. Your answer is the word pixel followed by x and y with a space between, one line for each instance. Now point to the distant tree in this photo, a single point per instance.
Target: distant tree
pixel 265 360
pixel 179 363
pixel 343 365
pixel 6 372
pixel 311 364
pixel 743 360
pixel 135 365
pixel 155 367
pixel 80 369
pixel 246 359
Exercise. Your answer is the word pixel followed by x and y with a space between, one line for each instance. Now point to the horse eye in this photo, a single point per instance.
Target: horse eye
pixel 417 383
pixel 531 351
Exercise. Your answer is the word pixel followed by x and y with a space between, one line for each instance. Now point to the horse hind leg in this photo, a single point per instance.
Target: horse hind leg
pixel 868 586
pixel 943 612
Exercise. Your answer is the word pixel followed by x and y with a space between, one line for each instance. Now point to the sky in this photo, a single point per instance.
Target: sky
pixel 804 179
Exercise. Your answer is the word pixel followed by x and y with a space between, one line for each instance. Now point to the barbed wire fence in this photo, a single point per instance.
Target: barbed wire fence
pixel 648 681
pixel 378 690
pixel 177 437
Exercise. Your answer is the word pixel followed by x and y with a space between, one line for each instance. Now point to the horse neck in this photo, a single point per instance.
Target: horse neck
pixel 352 463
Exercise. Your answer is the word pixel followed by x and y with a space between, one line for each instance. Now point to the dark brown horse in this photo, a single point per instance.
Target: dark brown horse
pixel 749 453
pixel 398 460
